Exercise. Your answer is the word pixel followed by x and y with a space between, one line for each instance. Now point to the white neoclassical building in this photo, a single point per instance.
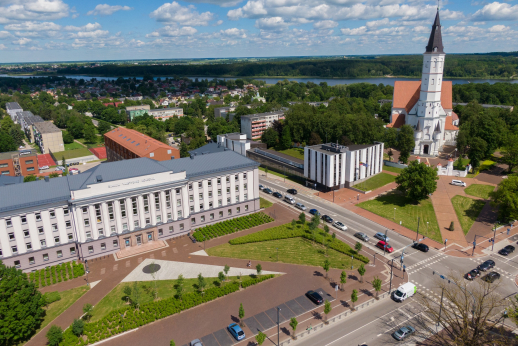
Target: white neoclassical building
pixel 122 204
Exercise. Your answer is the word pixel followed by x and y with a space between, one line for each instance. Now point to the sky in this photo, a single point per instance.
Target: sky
pixel 73 30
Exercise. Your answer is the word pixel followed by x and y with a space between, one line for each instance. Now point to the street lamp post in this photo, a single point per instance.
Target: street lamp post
pixel 278 326
pixel 394 213
pixel 494 237
pixel 86 266
pixel 384 247
pixel 418 222
pixel 391 266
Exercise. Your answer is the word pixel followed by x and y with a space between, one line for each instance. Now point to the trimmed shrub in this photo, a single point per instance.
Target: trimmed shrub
pixel 231 226
pixel 51 297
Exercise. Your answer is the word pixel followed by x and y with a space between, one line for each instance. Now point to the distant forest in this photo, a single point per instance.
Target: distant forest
pixel 493 65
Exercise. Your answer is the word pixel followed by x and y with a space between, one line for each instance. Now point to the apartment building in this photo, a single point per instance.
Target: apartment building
pixel 165 113
pixel 48 137
pixel 253 125
pixel 122 204
pixel 124 144
pixel 27 120
pixel 19 163
pixel 135 111
pixel 12 108
pixel 334 166
pixel 238 143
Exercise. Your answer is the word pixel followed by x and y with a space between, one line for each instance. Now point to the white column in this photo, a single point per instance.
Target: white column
pixel 33 232
pixel 79 224
pixel 129 212
pixel 232 189
pixel 163 206
pixel 241 187
pixel 185 201
pixel 118 215
pixel 196 195
pixel 205 189
pixel 142 217
pixel 93 221
pixel 105 218
pixel 152 208
pixel 174 197
pixel 4 239
pixel 224 190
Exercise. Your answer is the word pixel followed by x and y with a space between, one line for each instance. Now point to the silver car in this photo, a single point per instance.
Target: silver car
pixel 403 332
pixel 300 206
pixel 196 342
pixel 340 225
pixel 362 236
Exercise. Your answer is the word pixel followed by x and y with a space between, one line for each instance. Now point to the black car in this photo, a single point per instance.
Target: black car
pixel 277 194
pixel 491 277
pixel 506 250
pixel 268 191
pixel 473 274
pixel 420 246
pixel 327 218
pixel 486 265
pixel 314 297
pixel 292 191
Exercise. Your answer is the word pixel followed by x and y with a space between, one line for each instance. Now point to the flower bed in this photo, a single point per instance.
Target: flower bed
pixel 113 324
pixel 60 272
pixel 230 226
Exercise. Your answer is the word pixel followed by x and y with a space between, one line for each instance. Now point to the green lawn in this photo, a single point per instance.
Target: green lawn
pixel 479 190
pixel 375 182
pixel 264 203
pixel 407 212
pixel 288 177
pixel 71 154
pixel 166 289
pixel 392 169
pixel 292 250
pixel 73 145
pixel 68 298
pixel 467 210
pixel 461 164
pixel 297 153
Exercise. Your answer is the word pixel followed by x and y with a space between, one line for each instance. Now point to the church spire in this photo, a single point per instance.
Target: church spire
pixel 435 41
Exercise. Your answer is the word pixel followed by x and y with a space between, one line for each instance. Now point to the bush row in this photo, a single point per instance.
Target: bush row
pixel 114 324
pixel 57 273
pixel 231 226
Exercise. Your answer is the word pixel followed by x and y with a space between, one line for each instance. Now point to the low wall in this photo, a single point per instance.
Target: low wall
pixel 394 164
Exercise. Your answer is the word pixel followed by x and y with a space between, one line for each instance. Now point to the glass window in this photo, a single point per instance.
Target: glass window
pixel 228 190
pixel 111 215
pixel 210 194
pixel 209 183
pixel 159 218
pixel 200 185
pixel 11 236
pixel 237 198
pixel 229 211
pixel 202 219
pixel 171 229
pixel 244 175
pixel 90 249
pixel 56 240
pixel 134 205
pixel 220 203
pixel 237 177
pixel 85 210
pixel 178 202
pixel 191 198
pixel 40 230
pixel 124 226
pixel 246 196
pixel 178 191
pixel 14 249
pixel 46 257
pixel 219 192
pixel 245 186
pixel 87 222
pixel 181 227
pixel 17 264
pixel 38 216
pixel 122 205
pixel 219 180
pixel 103 246
pixel 8 222
pixel 24 219
pixel 169 216
pixel 68 223
pixel 31 260
pixel 88 235
pixel 112 230
pixel 160 232
pixel 146 203
pixel 238 209
pixel 115 243
pixel 28 246
pixel 220 214
pixel 26 233
pixel 246 207
pixel 59 253
pixel 201 206
pixel 101 231
pixel 192 208
pixel 135 223
pixel 70 236
pixel 43 243
pixel 228 200
pixel 148 221
pixel 210 204
pixel 157 200
pixel 201 196
pixel 211 216
pixel 72 250
pixel 98 215
pixel 65 211
pixel 190 187
pixel 228 179
pixel 193 220
pixel 54 227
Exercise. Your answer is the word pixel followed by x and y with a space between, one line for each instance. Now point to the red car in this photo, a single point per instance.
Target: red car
pixel 381 244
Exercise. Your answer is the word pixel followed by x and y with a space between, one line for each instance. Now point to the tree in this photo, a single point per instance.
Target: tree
pixel 54 335
pixel 201 283
pixel 376 284
pixel 171 343
pixel 477 150
pixel 184 150
pixel 6 141
pixel 358 246
pixel 135 295
pixel 405 142
pixel 90 136
pixel 63 161
pixel 259 269
pixel 327 308
pixel 293 223
pixel 361 271
pixel 452 226
pixel 293 324
pixel 17 135
pixel 417 181
pixel 326 266
pixel 87 311
pixel 390 137
pixel 270 137
pixel 77 327
pixel 326 228
pixel 510 152
pixel 21 306
pixel 179 287
pixel 314 139
pixel 260 338
pixel 29 178
pixel 67 138
pixel 221 277
pixel 462 142
pixel 506 198
pixel 241 313
pixel 286 138
pixel 343 279
pixel 226 269
pixel 127 292
pixel 390 154
pixel 354 297
pixel 302 218
pixel 103 127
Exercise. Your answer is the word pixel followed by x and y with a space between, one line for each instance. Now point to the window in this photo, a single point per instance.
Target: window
pixel 210 204
pixel 171 229
pixel 245 187
pixel 238 209
pixel 211 216
pixel 70 236
pixel 59 253
pixel 56 240
pixel 17 264
pixel 54 227
pixel 148 221
pixel 112 230
pixel 220 214
pixel 87 222
pixel 14 249
pixel 229 212
pixel 1 253
pixel 135 223
pixel 202 219
pixel 237 188
pixel 228 179
pixel 88 235
pixel 178 191
pixel 181 227
pixel 201 206
pixel 43 243
pixel 190 187
pixel 65 211
pixel 246 196
pixel 29 162
pixel 111 215
pixel 72 250
pixel 103 246
pixel 228 190
pixel 3 165
pixel 45 256
pixel 157 200
pixel 191 198
pixel 68 223
pixel 122 205
pixel 30 169
pixel 246 207
pixel 40 230
pixel 169 216
pixel 134 205
pixel 98 216
pixel 201 196
pixel 219 192
pixel 209 183
pixel 159 218
pixel 101 231
pixel 26 233
pixel 219 180
pixel 31 260
pixel 220 203
pixel 146 203
pixel 8 222
pixel 237 198
pixel 125 226
pixel 193 221
pixel 179 214
pixel 85 210
pixel 200 185
pixel 228 200
pixel 168 199
pixel 115 243
pixel 244 175
pixel 192 208
pixel 38 216
pixel 237 177
pixel 90 249
pixel 24 219
pixel 178 202
pixel 28 246
pixel 210 194
pixel 11 236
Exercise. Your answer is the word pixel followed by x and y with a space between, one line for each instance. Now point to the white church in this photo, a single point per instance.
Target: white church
pixel 426 105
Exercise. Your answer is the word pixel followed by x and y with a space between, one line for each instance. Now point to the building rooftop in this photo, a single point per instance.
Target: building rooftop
pixel 164 109
pixel 334 149
pixel 9 154
pixel 263 114
pixel 208 148
pixel 406 94
pixel 136 142
pixel 8 180
pixel 11 106
pixel 46 127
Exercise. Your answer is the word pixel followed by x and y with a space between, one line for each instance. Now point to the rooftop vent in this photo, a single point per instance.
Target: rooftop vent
pixel 192 157
pixel 99 178
pixel 47 178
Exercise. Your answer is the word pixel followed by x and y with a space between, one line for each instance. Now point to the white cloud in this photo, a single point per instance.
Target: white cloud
pixel 175 13
pixel 272 23
pixel 233 32
pixel 90 34
pixel 40 10
pixel 222 3
pixel 496 11
pixel 5 34
pixel 87 27
pixel 173 31
pixel 34 26
pixel 2 47
pixel 377 23
pixel 325 24
pixel 499 28
pixel 22 41
pixel 219 22
pixel 354 32
pixel 106 10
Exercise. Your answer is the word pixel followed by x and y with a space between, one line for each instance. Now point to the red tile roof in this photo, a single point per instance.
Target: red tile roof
pixel 448 125
pixel 398 120
pixel 136 142
pixel 406 94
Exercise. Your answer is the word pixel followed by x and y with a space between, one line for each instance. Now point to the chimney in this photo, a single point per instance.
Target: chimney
pixel 47 178
pixel 192 157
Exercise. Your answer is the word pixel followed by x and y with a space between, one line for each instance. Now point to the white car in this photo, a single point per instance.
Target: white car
pixel 44 167
pixel 340 226
pixel 458 183
pixel 60 168
pixel 300 206
pixel 21 147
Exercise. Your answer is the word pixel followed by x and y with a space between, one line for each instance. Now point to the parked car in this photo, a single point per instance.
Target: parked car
pixel 236 331
pixel 491 277
pixel 268 191
pixel 196 342
pixel 261 187
pixel 506 250
pixel 486 265
pixel 327 218
pixel 458 183
pixel 362 236
pixel 421 246
pixel 314 212
pixel 277 194
pixel 59 168
pixel 44 167
pixel 292 191
pixel 314 297
pixel 289 199
pixel 381 236
pixel 21 147
pixel 340 226
pixel 403 332
pixel 383 245
pixel 473 274
pixel 300 206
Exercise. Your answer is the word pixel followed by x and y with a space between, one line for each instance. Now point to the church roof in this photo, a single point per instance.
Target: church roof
pixel 406 94
pixel 448 124
pixel 435 40
pixel 398 120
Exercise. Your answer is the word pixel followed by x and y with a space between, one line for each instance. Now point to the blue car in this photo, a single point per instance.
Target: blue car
pixel 314 212
pixel 236 331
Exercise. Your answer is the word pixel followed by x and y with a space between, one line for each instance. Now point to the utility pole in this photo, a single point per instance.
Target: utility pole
pixel 440 310
pixel 278 327
pixel 391 266
pixel 418 222
pixel 494 237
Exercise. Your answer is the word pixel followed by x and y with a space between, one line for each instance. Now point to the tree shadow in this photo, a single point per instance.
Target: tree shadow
pixel 316 315
pixel 234 319
pixel 317 273
pixel 352 277
pixel 367 292
pixel 345 304
pixel 285 331
pixel 216 283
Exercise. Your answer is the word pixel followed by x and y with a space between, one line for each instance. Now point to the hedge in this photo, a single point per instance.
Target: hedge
pixel 231 226
pixel 113 324
pixel 288 231
pixel 51 297
pixel 57 273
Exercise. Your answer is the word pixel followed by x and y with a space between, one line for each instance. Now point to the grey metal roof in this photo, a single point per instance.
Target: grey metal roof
pixel 11 106
pixel 8 180
pixel 208 148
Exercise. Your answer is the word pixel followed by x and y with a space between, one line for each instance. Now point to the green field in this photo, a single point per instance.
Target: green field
pixel 264 203
pixel 479 190
pixel 68 298
pixel 287 177
pixel 73 145
pixel 375 182
pixel 392 169
pixel 407 212
pixel 467 210
pixel 72 154
pixel 297 153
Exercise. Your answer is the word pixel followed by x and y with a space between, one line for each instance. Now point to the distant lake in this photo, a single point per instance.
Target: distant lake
pixel 329 81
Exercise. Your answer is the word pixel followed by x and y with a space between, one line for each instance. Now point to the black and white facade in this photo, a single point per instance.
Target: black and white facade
pixel 122 204
pixel 334 166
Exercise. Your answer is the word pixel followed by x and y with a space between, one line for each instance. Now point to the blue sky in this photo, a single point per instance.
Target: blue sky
pixel 69 30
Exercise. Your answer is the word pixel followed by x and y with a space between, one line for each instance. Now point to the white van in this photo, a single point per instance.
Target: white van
pixel 405 291
pixel 289 199
pixel 458 183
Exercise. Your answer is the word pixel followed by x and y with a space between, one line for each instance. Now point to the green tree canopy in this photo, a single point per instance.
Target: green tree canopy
pixel 286 138
pixel 506 198
pixel 417 181
pixel 405 142
pixel 510 152
pixel 270 137
pixel 477 152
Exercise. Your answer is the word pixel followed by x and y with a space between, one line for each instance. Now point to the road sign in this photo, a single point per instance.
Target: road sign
pixel 404 267
pixel 336 288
